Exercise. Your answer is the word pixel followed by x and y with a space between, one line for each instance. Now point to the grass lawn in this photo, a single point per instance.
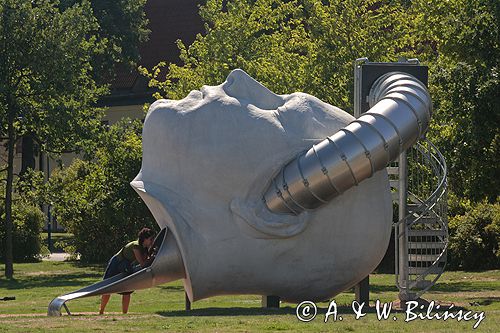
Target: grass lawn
pixel 162 308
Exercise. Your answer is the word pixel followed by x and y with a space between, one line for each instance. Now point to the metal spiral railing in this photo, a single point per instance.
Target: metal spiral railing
pixel 421 236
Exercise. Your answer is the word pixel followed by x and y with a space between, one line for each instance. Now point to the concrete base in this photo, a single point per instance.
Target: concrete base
pixel 271 302
pixel 362 291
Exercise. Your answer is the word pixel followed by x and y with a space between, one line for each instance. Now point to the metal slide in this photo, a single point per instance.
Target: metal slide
pixel 399 115
pixel 167 266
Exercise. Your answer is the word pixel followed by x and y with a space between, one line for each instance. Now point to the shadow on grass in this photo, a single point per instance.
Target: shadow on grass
pixel 238 311
pixel 440 287
pixel 232 311
pixel 376 289
pixel 451 287
pixel 49 281
pixel 475 301
pixel 382 289
pixel 171 288
pixel 92 266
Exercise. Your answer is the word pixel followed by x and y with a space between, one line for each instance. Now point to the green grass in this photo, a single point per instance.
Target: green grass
pixel 162 308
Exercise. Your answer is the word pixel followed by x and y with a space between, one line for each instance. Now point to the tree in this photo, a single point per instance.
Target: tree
pixel 310 46
pixel 466 91
pixel 121 29
pixel 475 238
pixel 94 199
pixel 294 45
pixel 46 87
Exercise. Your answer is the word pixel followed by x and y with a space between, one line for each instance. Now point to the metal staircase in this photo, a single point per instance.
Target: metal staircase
pixel 418 184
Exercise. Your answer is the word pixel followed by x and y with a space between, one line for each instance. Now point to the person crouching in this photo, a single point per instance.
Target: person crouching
pixel 135 252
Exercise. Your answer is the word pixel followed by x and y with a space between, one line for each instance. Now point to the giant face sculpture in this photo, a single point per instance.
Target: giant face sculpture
pixel 207 161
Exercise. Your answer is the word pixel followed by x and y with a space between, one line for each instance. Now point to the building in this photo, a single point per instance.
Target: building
pixel 169 20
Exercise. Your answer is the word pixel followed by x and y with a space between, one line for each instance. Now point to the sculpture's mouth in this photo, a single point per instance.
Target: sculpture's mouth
pixel 167 265
pixel 169 262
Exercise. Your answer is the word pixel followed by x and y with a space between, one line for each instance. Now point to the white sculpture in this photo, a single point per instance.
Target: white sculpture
pixel 208 158
pixel 257 201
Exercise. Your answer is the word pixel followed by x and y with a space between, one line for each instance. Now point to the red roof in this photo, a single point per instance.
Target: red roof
pixel 169 20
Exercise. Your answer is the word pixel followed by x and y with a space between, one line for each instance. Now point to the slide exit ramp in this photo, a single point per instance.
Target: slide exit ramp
pixel 167 266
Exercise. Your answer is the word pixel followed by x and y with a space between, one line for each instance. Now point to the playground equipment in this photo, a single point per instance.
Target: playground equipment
pixel 418 184
pixel 256 201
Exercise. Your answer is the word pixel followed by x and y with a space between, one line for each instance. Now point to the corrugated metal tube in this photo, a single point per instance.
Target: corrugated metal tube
pixel 399 115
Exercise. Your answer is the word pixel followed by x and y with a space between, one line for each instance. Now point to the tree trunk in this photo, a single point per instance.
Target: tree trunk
pixel 9 266
pixel 28 158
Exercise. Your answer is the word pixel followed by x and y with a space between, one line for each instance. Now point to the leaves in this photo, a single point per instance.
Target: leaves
pixel 94 199
pixel 55 57
pixel 296 45
pixel 121 29
pixel 46 72
pixel 475 240
pixel 311 45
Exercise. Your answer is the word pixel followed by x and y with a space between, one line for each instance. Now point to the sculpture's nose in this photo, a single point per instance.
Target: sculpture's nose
pixel 244 88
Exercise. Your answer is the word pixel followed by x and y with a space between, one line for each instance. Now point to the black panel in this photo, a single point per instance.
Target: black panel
pixel 370 72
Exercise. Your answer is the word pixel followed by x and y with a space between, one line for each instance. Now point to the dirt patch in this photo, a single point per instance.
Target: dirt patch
pixel 22 315
pixel 79 315
pixel 48 273
pixel 87 320
pixel 464 294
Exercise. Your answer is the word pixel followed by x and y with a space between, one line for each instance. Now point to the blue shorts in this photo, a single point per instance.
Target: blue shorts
pixel 116 265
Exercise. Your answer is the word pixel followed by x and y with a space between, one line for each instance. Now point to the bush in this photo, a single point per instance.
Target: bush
pixel 475 238
pixel 94 200
pixel 26 240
